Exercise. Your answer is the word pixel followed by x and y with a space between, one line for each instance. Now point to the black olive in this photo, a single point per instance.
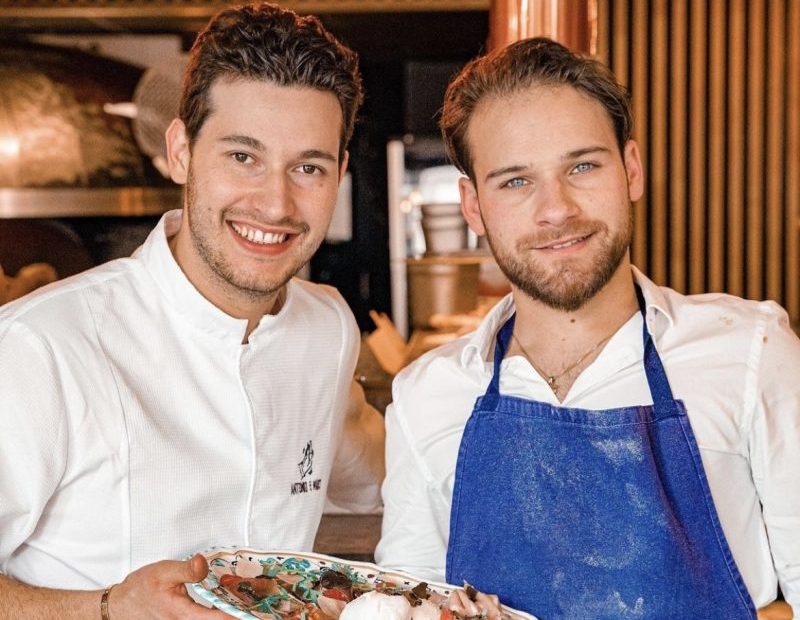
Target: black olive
pixel 334 579
pixel 417 594
pixel 421 591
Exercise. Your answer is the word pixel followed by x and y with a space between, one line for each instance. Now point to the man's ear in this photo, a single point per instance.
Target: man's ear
pixel 178 152
pixel 634 171
pixel 470 206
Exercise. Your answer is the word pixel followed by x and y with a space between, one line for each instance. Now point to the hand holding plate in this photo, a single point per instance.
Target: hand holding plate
pixel 157 592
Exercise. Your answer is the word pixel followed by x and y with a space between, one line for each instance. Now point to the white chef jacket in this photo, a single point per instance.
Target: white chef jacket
pixel 734 363
pixel 135 426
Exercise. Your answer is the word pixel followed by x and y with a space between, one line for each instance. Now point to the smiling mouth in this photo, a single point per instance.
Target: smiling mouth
pixel 562 245
pixel 255 235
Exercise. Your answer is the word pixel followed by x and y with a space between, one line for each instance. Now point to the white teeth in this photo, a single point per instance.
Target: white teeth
pixel 561 246
pixel 274 238
pixel 259 236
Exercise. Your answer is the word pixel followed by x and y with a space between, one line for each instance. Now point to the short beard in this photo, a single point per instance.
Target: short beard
pixel 566 289
pixel 253 289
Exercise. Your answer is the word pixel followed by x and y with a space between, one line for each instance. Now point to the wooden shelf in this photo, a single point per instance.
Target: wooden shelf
pixel 101 202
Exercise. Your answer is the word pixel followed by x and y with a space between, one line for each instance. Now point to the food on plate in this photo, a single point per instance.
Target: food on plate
pixel 377 605
pixel 295 588
pixel 382 606
pixel 469 602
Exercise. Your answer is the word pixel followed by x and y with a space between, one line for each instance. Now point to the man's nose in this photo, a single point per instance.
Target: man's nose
pixel 555 203
pixel 273 196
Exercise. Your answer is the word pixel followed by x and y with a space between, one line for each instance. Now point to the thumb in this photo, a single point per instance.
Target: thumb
pixel 197 568
pixel 173 572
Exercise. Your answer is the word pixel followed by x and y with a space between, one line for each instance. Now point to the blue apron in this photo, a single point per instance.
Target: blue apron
pixel 572 513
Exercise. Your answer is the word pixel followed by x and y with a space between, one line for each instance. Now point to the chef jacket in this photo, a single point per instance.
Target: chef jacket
pixel 135 426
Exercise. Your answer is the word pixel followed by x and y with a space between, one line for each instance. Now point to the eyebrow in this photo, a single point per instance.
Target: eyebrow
pixel 244 141
pixel 318 154
pixel 576 154
pixel 502 171
pixel 585 151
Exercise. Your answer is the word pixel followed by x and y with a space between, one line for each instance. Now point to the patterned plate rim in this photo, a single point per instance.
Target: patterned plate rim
pixel 222 605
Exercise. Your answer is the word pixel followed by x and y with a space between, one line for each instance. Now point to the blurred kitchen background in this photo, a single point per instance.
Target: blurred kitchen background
pixel 87 87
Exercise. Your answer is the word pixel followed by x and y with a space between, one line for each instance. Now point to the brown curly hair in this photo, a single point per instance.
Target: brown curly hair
pixel 521 65
pixel 262 41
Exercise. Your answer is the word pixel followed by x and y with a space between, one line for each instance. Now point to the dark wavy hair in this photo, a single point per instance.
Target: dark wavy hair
pixel 262 41
pixel 519 66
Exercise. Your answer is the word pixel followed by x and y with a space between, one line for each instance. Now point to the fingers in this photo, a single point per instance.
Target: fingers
pixel 489 603
pixel 778 610
pixel 459 602
pixel 157 591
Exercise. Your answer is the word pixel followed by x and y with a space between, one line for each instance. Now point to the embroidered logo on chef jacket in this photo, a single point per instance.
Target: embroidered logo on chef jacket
pixel 307 464
pixel 306 467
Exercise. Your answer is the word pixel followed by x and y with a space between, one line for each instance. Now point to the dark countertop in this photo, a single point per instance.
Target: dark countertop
pixel 352 537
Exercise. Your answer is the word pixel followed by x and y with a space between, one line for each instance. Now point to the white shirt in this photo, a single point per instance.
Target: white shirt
pixel 135 426
pixel 734 363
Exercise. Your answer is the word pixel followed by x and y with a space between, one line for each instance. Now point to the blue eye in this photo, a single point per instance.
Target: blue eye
pixel 584 166
pixel 515 183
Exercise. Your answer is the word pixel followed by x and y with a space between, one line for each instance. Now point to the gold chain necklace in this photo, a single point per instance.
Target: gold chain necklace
pixel 552 380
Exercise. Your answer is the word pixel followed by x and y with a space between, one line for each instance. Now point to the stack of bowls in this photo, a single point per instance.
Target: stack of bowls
pixel 444 228
pixel 445 280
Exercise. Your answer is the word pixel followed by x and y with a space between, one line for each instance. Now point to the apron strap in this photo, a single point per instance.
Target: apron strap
pixel 660 391
pixel 500 348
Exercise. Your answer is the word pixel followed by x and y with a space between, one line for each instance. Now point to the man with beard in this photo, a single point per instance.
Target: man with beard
pixel 632 452
pixel 194 394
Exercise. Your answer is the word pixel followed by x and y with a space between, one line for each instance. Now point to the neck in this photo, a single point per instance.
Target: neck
pixel 225 296
pixel 556 336
pixel 272 306
pixel 560 344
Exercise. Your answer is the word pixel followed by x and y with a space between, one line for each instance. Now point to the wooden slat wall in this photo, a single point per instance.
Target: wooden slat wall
pixel 678 162
pixel 792 154
pixel 716 98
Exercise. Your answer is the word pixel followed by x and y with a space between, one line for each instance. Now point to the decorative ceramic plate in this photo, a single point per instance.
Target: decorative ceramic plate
pixel 284 585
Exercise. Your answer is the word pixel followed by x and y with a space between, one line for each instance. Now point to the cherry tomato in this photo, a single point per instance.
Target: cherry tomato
pixel 230 582
pixel 336 594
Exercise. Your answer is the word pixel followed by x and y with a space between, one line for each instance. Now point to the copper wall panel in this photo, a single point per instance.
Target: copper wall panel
pixel 571 22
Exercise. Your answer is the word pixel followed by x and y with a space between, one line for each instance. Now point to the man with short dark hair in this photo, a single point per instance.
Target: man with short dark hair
pixel 601 447
pixel 194 394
